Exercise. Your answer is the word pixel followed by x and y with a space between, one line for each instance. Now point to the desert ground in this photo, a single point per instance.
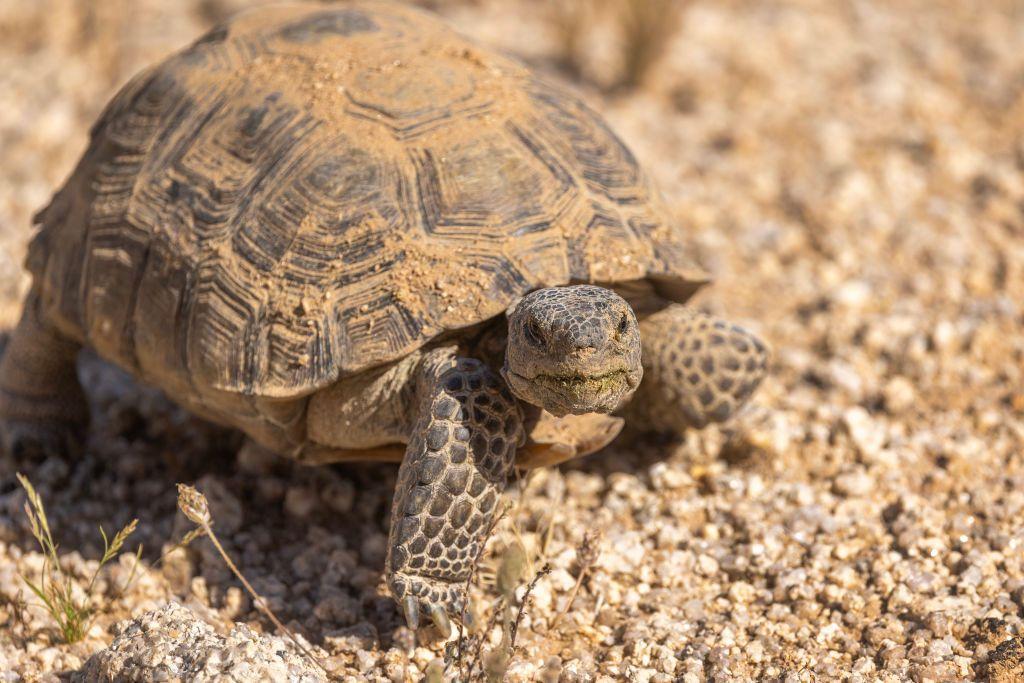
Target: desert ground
pixel 851 173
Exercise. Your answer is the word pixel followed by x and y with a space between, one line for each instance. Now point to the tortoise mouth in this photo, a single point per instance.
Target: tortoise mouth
pixel 561 394
pixel 579 384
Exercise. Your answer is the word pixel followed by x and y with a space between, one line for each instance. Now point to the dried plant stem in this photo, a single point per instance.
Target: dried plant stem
pixel 258 599
pixel 469 580
pixel 194 505
pixel 587 553
pixel 544 571
pixel 572 597
pixel 491 623
pixel 55 588
pixel 647 27
pixel 17 615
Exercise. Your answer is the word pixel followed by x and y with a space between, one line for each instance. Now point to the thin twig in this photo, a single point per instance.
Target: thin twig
pixel 194 505
pixel 572 597
pixel 480 641
pixel 544 571
pixel 469 580
pixel 260 602
pixel 587 553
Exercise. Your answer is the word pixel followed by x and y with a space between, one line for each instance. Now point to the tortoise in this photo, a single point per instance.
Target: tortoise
pixel 353 234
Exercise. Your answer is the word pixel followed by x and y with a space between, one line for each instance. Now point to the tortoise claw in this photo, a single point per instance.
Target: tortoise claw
pixel 440 618
pixel 412 612
pixel 421 597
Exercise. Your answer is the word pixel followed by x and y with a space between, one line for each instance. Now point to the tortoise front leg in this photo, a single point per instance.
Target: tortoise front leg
pixel 43 410
pixel 697 370
pixel 460 454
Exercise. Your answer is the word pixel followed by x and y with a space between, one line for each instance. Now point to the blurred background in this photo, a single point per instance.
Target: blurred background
pixel 852 173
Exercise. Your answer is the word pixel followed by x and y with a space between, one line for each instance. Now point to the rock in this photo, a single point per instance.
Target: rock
pixel 362 636
pixel 178 568
pixel 339 495
pixel 867 435
pixel 576 671
pixel 1006 662
pixel 336 606
pixel 551 671
pixel 300 501
pixel 900 597
pixel 741 592
pixel 899 394
pixel 854 484
pixel 256 459
pixel 373 549
pixel 171 643
pixel 853 294
pixel 707 565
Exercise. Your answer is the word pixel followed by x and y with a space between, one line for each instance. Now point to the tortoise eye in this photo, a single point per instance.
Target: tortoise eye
pixel 624 324
pixel 532 333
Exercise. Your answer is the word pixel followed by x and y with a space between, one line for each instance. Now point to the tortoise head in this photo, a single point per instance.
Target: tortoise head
pixel 573 350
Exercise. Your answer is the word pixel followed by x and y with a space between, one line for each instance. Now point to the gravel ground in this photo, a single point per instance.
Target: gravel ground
pixel 853 175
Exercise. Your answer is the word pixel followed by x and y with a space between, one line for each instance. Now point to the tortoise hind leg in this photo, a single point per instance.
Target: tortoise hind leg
pixel 697 370
pixel 460 454
pixel 43 410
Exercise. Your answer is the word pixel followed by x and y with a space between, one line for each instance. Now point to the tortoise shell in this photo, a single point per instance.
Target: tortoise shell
pixel 310 191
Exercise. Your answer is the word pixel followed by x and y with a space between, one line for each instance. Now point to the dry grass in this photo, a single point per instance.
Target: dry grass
pixel 567 19
pixel 646 27
pixel 55 588
pixel 642 30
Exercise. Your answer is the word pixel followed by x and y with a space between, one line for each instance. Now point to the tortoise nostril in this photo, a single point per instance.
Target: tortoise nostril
pixel 582 340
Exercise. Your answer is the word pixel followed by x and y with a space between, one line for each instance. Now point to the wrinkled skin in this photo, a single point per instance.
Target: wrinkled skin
pixel 573 350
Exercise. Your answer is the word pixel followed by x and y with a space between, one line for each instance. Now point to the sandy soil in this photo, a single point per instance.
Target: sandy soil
pixel 853 175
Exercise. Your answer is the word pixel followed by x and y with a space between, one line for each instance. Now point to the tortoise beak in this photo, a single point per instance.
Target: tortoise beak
pixel 574 394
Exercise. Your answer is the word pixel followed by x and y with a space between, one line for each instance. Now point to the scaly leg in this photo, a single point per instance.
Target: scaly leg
pixel 43 410
pixel 460 454
pixel 697 370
